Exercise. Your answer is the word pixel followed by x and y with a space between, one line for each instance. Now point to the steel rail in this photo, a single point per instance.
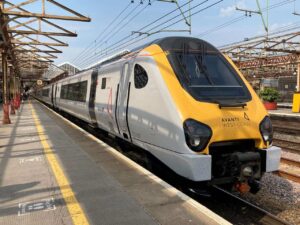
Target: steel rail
pixel 286 129
pixel 290 162
pixel 288 175
pixel 287 142
pixel 269 218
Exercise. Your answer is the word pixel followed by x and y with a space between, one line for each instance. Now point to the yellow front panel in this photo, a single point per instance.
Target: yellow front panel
pixel 226 123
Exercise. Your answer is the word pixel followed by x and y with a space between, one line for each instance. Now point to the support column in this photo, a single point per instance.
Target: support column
pixel 18 95
pixel 12 91
pixel 6 119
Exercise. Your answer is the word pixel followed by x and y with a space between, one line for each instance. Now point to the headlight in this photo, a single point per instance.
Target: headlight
pixel 197 135
pixel 266 130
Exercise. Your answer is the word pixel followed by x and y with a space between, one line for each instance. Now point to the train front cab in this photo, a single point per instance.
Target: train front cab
pixel 225 125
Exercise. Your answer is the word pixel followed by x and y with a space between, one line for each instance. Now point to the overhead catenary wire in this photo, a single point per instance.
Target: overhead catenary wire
pixel 102 32
pixel 169 13
pixel 116 29
pixel 240 18
pixel 134 41
pixel 123 39
pixel 122 27
pixel 119 43
pixel 151 23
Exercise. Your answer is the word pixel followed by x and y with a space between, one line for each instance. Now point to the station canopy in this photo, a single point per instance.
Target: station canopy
pixel 272 55
pixel 31 33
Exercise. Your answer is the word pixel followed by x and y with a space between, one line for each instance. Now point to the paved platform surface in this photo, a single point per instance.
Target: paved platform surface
pixel 53 173
pixel 284 112
pixel 284 104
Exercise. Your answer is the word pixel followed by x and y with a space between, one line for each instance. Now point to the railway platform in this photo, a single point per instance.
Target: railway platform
pixel 284 113
pixel 53 172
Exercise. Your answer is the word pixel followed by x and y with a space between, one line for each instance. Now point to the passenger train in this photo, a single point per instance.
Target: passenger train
pixel 182 101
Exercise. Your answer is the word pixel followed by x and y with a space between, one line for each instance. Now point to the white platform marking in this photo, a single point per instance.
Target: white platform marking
pixel 31 160
pixel 42 205
pixel 29 139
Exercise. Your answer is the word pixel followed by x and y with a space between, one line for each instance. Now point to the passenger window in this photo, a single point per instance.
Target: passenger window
pixel 140 77
pixel 103 85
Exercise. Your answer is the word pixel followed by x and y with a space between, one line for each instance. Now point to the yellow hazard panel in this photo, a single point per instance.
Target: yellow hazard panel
pixel 226 123
pixel 296 103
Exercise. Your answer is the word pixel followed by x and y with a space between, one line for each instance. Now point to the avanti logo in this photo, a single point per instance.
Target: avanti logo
pixel 246 116
pixel 230 119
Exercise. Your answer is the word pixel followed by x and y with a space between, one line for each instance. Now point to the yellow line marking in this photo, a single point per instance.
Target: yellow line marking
pixel 74 208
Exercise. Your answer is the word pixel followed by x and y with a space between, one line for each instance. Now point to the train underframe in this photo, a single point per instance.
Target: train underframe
pixel 237 165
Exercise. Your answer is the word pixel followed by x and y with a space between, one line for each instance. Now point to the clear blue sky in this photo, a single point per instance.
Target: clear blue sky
pixel 102 12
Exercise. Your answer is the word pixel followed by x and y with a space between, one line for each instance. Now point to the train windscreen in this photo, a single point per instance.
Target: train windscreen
pixel 205 73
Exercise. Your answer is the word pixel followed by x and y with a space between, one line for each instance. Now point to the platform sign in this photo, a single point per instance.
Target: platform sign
pixel 39 82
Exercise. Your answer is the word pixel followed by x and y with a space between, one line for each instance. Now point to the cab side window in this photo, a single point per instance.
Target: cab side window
pixel 140 77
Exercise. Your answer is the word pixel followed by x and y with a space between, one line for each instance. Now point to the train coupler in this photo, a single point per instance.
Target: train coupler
pixel 252 186
pixel 242 187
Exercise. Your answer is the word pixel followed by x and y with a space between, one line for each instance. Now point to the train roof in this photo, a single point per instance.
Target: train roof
pixel 166 43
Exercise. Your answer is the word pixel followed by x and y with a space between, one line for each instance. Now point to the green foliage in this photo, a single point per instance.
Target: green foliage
pixel 269 94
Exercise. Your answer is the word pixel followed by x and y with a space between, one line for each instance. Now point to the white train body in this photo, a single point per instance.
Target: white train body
pixel 131 99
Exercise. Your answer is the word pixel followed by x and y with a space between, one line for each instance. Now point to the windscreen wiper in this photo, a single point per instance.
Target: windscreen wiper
pixel 232 105
pixel 203 70
pixel 183 69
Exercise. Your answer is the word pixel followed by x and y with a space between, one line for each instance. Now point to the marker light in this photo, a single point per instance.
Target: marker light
pixel 266 130
pixel 197 135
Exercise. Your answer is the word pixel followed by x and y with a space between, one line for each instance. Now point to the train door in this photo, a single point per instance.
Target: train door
pixel 94 78
pixel 52 94
pixel 123 101
pixel 55 95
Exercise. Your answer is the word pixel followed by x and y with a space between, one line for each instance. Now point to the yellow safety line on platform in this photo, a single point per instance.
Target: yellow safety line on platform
pixel 75 210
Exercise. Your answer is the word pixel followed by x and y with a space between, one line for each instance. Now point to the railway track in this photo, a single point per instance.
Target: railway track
pixel 288 146
pixel 288 175
pixel 264 217
pixel 286 142
pixel 290 162
pixel 287 133
pixel 289 169
pixel 286 129
pixel 286 126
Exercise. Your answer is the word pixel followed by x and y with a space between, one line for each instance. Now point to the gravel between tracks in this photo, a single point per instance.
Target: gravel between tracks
pixel 278 196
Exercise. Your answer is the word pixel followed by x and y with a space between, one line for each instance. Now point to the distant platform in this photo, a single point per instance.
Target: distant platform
pixel 284 112
pixel 284 105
